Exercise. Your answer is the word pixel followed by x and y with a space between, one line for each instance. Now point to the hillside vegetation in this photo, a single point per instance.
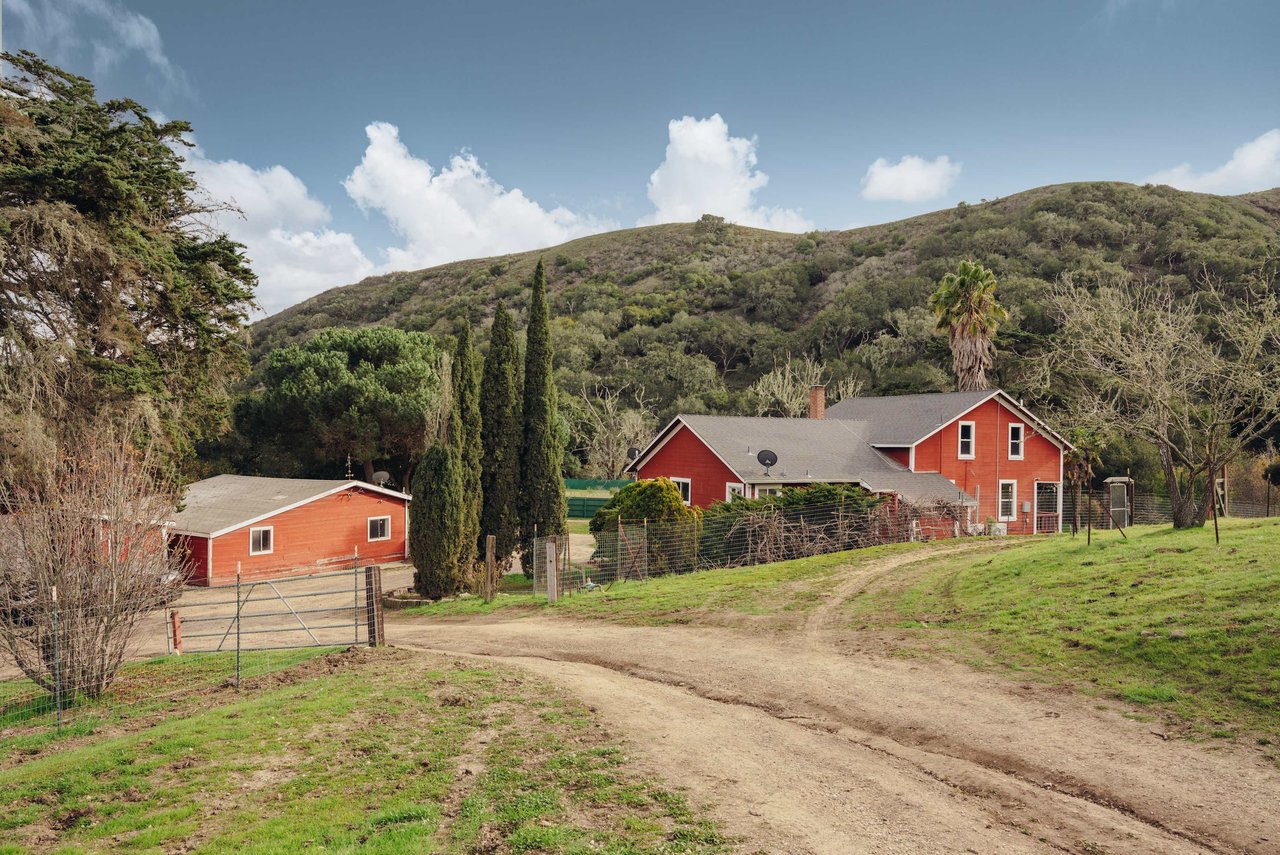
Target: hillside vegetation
pixel 695 311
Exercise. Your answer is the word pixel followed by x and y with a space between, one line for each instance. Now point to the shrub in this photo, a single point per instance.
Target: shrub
pixel 654 499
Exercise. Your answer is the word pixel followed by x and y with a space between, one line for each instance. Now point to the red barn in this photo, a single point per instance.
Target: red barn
pixel 981 450
pixel 286 526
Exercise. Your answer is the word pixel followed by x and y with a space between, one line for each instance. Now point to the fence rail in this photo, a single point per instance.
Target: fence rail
pixel 226 633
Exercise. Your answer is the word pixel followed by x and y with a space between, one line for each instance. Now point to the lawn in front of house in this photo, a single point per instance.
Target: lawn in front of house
pixel 372 751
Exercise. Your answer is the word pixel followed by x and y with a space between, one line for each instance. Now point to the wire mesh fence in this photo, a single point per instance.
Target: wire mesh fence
pixel 635 550
pixel 1097 510
pixel 86 659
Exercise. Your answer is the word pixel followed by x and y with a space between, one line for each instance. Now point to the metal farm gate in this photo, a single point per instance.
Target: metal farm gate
pixel 339 608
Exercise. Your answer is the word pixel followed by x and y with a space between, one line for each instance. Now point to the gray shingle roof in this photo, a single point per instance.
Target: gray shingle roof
pixel 831 450
pixel 906 419
pixel 225 501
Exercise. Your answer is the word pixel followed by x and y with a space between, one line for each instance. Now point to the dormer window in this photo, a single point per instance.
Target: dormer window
pixel 966 443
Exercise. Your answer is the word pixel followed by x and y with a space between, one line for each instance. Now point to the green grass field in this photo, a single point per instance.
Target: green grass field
pixel 735 595
pixel 369 751
pixel 1164 619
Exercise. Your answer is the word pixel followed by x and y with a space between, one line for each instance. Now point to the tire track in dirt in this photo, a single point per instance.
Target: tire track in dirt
pixel 970 750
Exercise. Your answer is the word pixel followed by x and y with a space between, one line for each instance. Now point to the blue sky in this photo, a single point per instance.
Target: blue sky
pixel 358 138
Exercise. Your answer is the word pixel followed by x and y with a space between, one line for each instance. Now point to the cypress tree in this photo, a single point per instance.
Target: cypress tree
pixel 470 447
pixel 500 436
pixel 542 502
pixel 435 522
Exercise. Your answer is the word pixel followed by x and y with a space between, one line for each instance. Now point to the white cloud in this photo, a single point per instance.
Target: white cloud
pixel 284 229
pixel 1253 166
pixel 64 31
pixel 911 179
pixel 706 171
pixel 458 212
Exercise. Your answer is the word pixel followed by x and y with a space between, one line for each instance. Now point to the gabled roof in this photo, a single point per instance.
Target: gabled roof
pixel 901 420
pixel 223 503
pixel 904 420
pixel 830 450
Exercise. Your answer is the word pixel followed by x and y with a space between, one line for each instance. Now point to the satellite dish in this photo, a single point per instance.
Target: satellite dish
pixel 767 458
pixel 381 477
pixel 633 453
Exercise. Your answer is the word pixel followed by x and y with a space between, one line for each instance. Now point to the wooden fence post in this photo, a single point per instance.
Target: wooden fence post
pixel 490 567
pixel 553 575
pixel 175 624
pixel 377 590
pixel 371 606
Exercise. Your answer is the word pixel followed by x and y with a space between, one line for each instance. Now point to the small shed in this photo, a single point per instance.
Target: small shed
pixel 270 527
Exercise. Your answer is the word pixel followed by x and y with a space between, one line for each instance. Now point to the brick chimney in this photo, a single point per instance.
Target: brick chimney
pixel 817 402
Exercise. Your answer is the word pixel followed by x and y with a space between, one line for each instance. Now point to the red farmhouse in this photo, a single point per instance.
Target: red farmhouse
pixel 982 450
pixel 286 526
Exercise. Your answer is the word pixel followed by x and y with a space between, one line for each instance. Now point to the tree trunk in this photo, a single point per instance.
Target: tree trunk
pixel 368 471
pixel 1181 502
pixel 1075 506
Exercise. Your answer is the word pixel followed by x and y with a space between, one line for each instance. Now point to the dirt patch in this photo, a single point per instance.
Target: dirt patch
pixel 806 749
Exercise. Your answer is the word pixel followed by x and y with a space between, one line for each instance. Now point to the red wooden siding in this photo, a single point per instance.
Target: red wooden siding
pixel 898 455
pixel 195 557
pixel 684 456
pixel 980 477
pixel 311 538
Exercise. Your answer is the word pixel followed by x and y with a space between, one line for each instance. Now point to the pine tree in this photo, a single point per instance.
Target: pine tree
pixel 542 502
pixel 468 442
pixel 435 522
pixel 500 436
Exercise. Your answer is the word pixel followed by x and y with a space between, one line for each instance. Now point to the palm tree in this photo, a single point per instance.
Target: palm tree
pixel 967 309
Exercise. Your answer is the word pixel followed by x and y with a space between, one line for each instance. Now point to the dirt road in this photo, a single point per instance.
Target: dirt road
pixel 801 748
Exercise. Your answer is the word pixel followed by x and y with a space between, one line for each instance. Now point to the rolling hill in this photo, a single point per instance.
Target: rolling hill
pixel 686 316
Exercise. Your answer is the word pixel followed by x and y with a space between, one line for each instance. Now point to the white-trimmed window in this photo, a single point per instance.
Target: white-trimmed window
pixel 733 489
pixel 262 540
pixel 1016 434
pixel 965 443
pixel 768 491
pixel 685 485
pixel 379 528
pixel 1008 511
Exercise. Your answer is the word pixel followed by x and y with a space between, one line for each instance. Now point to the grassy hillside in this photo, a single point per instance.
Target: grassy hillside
pixel 826 292
pixel 1164 618
pixel 382 751
pixel 686 316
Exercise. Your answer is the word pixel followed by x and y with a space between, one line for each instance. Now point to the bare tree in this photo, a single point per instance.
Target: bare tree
pixel 84 544
pixel 613 428
pixel 784 391
pixel 1199 378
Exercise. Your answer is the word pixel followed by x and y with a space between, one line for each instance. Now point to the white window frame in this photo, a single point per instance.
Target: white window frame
pixel 1022 440
pixel 271 537
pixel 973 440
pixel 734 488
pixel 370 520
pixel 768 491
pixel 1013 502
pixel 686 492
